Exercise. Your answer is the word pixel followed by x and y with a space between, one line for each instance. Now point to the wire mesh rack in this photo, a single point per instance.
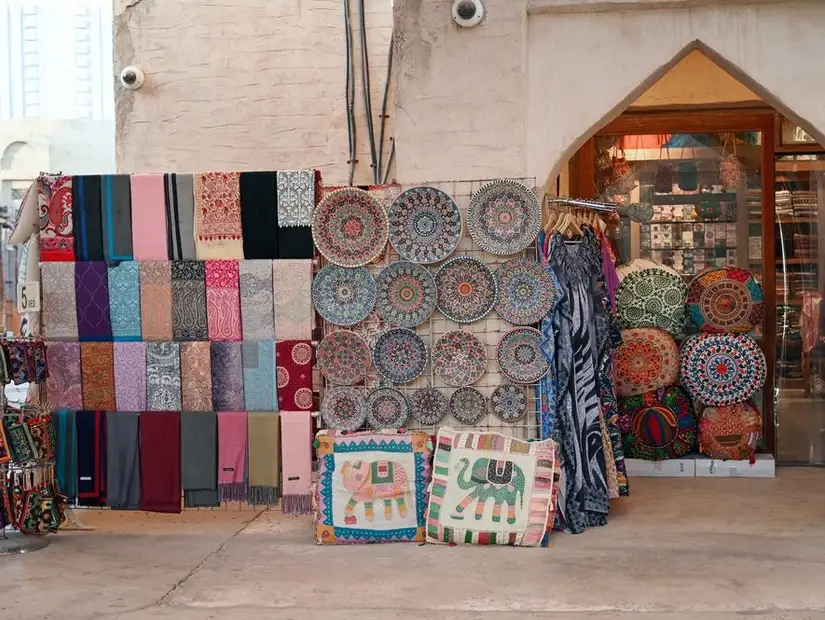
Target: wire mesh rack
pixel 488 330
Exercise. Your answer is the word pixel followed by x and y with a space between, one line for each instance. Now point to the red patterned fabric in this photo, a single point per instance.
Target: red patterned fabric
pixel 218 206
pixel 294 360
pixel 54 204
pixel 223 300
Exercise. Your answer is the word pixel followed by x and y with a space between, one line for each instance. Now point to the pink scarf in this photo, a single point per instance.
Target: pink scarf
pixel 149 217
pixel 232 444
pixel 296 452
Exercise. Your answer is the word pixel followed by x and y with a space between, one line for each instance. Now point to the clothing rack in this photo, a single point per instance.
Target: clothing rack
pixel 606 207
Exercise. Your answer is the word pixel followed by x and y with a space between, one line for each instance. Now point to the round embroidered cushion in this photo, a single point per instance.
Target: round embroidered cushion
pixel 730 431
pixel 724 300
pixel 657 425
pixel 647 359
pixel 651 298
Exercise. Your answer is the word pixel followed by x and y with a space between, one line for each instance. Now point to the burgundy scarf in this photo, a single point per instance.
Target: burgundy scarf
pixel 160 484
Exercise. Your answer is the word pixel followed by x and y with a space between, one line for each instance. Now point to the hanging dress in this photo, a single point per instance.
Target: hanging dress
pixel 546 388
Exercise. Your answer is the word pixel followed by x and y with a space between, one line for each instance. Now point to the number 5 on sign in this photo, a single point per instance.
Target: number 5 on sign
pixel 28 296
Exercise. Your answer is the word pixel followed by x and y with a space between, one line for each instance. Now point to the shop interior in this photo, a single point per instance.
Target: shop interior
pixel 718 163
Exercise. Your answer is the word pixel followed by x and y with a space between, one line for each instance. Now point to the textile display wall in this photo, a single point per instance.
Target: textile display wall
pixel 177 317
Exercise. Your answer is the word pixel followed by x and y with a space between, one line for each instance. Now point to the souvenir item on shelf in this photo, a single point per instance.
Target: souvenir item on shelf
pixel 651 298
pixel 459 358
pixel 466 289
pixel 647 359
pixel 470 469
pixel 504 217
pixel 399 355
pixel 509 402
pixel 292 279
pixel 425 225
pixel 406 294
pixel 468 405
pixel 343 408
pixel 349 227
pixel 343 357
pixel 520 357
pixel 294 360
pixel 722 369
pixel 387 408
pixel 343 296
pixel 526 291
pixel 361 474
pixel 640 212
pixel 428 405
pixel 658 425
pixel 725 299
pixel 730 431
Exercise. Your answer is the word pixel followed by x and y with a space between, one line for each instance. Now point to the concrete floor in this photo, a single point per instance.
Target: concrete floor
pixel 707 549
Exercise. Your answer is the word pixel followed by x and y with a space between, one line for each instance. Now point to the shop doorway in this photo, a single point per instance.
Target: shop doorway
pixel 731 182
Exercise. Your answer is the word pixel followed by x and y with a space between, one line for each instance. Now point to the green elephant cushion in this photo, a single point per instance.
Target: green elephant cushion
pixel 491 489
pixel 371 486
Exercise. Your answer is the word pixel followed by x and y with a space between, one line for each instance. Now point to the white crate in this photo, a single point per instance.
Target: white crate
pixel 763 467
pixel 672 468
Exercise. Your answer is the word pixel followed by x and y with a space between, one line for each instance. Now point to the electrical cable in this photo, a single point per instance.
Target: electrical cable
pixel 384 106
pixel 365 82
pixel 390 159
pixel 350 92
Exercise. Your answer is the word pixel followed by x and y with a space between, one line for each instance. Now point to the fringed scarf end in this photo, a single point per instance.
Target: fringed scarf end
pixel 234 491
pixel 263 495
pixel 297 504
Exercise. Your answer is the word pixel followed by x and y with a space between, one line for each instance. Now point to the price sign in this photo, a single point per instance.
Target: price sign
pixel 28 297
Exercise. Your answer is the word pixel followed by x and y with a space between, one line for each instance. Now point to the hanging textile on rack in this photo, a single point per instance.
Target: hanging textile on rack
pixel 232 446
pixel 87 217
pixel 163 384
pixel 130 375
pixel 116 209
pixel 54 201
pixel 292 283
pixel 149 233
pixel 59 313
pixel 97 366
pixel 298 192
pixel 223 303
pixel 259 214
pixel 264 457
pixel 122 461
pixel 199 459
pixel 259 382
pixel 91 457
pixel 227 376
pixel 156 300
pixel 257 311
pixel 196 376
pixel 66 452
pixel 294 360
pixel 5 449
pixel 160 471
pixel 218 231
pixel 94 322
pixel 124 301
pixel 21 442
pixel 179 195
pixel 296 453
pixel 189 318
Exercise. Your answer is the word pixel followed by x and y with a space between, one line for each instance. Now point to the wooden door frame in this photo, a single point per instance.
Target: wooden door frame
pixel 583 185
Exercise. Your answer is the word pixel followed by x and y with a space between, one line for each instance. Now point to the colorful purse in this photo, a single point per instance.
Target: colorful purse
pixel 20 438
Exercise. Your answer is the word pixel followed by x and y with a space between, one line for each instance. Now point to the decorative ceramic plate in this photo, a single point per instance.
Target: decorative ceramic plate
pixel 428 405
pixel 349 227
pixel 647 359
pixel 730 431
pixel 425 225
pixel 343 357
pixel 504 217
pixel 509 402
pixel 657 425
pixel 725 300
pixel 722 369
pixel 526 292
pixel 343 408
pixel 459 358
pixel 651 298
pixel 520 357
pixel 387 408
pixel 343 296
pixel 400 355
pixel 406 294
pixel 466 289
pixel 468 405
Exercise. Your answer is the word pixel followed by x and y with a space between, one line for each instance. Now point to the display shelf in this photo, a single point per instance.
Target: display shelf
pixel 681 199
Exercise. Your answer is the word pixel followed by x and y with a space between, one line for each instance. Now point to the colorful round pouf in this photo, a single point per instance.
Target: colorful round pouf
pixel 343 408
pixel 406 294
pixel 722 369
pixel 504 217
pixel 349 227
pixel 647 359
pixel 425 225
pixel 343 296
pixel 387 408
pixel 466 289
pixel 651 298
pixel 526 291
pixel 343 357
pixel 658 425
pixel 725 300
pixel 730 431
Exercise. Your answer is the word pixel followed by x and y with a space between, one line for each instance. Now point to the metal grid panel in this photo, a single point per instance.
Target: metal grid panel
pixel 489 329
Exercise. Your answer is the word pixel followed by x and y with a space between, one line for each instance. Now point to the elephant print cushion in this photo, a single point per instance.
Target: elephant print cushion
pixel 372 486
pixel 490 489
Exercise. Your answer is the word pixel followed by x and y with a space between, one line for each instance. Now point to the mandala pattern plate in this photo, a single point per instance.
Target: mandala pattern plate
pixel 526 292
pixel 647 359
pixel 400 355
pixel 425 225
pixel 657 425
pixel 387 408
pixel 725 300
pixel 428 405
pixel 731 431
pixel 468 405
pixel 343 357
pixel 520 357
pixel 722 369
pixel 343 296
pixel 349 227
pixel 459 358
pixel 651 298
pixel 343 408
pixel 466 289
pixel 504 217
pixel 509 402
pixel 406 294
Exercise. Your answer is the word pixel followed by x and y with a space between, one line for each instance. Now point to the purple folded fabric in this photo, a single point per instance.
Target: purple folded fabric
pixel 130 376
pixel 91 283
pixel 63 385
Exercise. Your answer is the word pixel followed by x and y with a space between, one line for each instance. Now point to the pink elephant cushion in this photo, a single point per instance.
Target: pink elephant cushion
pixel 491 489
pixel 371 486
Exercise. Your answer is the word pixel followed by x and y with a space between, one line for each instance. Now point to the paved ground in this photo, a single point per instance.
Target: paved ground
pixel 695 548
